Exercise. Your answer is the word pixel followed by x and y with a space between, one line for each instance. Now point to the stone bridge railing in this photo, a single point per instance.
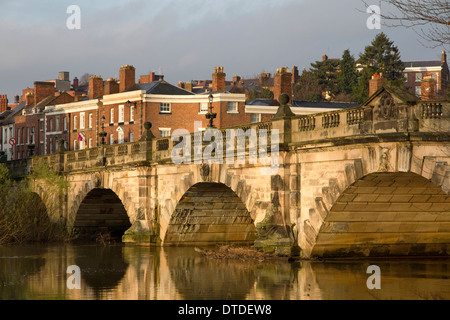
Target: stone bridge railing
pixel 423 117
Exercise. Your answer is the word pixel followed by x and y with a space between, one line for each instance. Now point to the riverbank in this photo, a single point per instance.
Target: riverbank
pixel 240 253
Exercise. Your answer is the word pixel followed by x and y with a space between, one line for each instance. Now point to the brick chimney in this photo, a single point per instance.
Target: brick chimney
pixel 444 57
pixel 95 87
pixel 428 88
pixel 42 90
pixel 16 99
pixel 127 77
pixel 264 78
pixel 295 74
pixel 111 86
pixel 29 98
pixel 75 83
pixel 3 103
pixel 282 83
pixel 376 83
pixel 218 79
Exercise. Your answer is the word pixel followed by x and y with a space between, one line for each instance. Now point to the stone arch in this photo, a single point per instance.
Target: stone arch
pixel 210 213
pixel 101 210
pixel 380 214
pixel 80 189
pixel 214 174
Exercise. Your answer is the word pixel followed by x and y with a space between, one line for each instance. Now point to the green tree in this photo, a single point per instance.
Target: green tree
pixel 360 92
pixel 382 56
pixel 307 87
pixel 347 76
pixel 326 73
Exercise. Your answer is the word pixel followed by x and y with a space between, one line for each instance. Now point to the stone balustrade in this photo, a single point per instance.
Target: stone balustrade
pixel 423 117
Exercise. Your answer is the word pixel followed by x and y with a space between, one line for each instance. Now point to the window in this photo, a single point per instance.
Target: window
pixel 121 114
pixel 164 107
pixel 75 122
pixel 418 76
pixel 232 107
pixel 57 123
pixel 256 117
pixel 50 121
pixel 418 91
pixel 75 145
pixel 41 125
pixel 82 145
pixel 50 146
pixel 82 120
pixel 65 124
pixel 203 107
pixel 91 118
pixel 28 135
pixel 405 77
pixel 164 132
pixel 131 136
pixel 111 116
pixel 111 138
pixel 32 135
pixel 90 143
pixel 18 136
pixel 132 114
pixel 120 137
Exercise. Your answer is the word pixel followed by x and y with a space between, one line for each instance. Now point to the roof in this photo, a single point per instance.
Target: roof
pixel 159 87
pixel 324 104
pixel 9 118
pixel 395 88
pixel 304 104
pixel 422 64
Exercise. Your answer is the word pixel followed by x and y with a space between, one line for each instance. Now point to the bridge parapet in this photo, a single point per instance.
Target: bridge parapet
pixel 421 118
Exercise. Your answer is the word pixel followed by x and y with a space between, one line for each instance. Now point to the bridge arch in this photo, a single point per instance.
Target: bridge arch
pixel 101 211
pixel 210 213
pixel 382 214
pixel 175 195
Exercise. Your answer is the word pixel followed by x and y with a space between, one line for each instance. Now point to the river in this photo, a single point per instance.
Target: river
pixel 113 272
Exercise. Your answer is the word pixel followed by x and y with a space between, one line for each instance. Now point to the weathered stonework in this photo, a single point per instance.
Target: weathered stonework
pixel 369 181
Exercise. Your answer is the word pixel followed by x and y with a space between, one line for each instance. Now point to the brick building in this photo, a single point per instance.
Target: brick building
pixel 416 71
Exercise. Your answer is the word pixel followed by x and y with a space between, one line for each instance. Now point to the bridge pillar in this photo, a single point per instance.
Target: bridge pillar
pixel 145 228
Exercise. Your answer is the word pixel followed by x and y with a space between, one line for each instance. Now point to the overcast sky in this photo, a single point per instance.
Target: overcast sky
pixel 183 39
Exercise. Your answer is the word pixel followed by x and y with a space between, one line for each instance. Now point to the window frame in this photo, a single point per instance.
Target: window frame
pixel 163 105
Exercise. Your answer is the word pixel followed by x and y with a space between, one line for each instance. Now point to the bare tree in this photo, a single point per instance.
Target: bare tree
pixel 432 17
pixel 85 78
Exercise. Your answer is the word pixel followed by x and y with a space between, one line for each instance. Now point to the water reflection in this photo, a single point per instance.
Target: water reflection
pixel 133 272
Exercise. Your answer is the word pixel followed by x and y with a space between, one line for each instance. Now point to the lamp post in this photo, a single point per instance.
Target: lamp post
pixel 103 133
pixel 211 115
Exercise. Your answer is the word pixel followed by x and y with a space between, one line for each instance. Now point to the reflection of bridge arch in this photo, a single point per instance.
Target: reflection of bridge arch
pixel 101 210
pixel 210 213
pixel 385 213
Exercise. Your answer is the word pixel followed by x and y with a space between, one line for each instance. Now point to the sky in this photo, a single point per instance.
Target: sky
pixel 184 40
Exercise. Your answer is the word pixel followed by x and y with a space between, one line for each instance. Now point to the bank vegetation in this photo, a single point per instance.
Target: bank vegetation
pixel 23 215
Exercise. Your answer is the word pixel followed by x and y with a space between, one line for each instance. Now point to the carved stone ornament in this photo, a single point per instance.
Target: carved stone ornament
pixel 204 171
pixel 387 106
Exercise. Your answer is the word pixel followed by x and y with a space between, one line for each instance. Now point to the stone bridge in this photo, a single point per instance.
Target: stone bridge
pixel 368 181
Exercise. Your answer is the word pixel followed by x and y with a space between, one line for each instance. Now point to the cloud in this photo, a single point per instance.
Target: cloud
pixel 185 38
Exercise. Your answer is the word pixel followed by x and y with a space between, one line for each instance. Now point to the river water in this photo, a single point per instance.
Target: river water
pixel 179 273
